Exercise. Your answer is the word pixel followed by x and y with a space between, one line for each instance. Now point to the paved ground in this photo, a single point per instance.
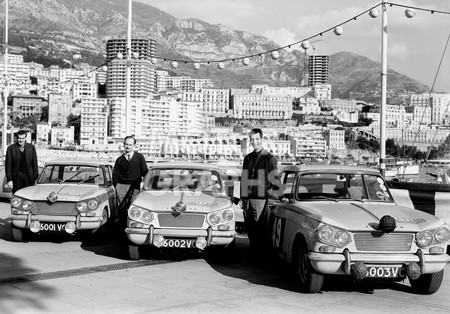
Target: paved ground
pixel 64 275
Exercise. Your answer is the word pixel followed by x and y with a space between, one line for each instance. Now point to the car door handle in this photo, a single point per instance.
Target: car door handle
pixel 272 207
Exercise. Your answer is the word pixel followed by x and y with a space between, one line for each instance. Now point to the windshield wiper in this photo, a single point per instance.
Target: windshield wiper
pixel 70 178
pixel 323 197
pixel 87 179
pixel 182 184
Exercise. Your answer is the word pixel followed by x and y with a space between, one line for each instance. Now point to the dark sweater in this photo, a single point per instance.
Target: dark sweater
pixel 258 173
pixel 130 172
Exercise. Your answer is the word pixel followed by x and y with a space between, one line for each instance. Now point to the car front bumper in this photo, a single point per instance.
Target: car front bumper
pixel 81 222
pixel 144 236
pixel 332 263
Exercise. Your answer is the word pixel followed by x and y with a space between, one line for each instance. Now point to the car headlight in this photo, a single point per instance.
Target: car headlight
pixel 325 234
pixel 333 236
pixel 220 217
pixel 90 204
pixel 442 234
pixel 424 238
pixel 430 237
pixel 140 214
pixel 23 204
pixel 342 238
pixel 214 218
pixel 227 215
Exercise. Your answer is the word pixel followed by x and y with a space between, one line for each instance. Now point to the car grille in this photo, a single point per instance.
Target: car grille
pixel 383 241
pixel 57 208
pixel 182 220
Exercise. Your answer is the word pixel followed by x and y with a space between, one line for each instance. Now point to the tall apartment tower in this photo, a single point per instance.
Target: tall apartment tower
pixel 143 78
pixel 318 69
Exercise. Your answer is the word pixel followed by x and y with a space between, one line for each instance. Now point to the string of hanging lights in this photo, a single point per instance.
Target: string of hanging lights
pixel 305 43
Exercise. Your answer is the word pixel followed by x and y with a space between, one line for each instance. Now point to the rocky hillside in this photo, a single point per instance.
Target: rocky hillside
pixel 50 31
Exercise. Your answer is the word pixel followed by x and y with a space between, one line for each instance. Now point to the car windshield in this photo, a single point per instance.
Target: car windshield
pixel 336 186
pixel 72 174
pixel 207 181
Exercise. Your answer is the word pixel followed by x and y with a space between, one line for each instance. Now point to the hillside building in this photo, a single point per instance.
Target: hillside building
pixel 318 69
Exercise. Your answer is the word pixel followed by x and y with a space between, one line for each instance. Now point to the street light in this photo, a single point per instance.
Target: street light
pixel 5 92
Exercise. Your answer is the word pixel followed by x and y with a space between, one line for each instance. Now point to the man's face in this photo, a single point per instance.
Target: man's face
pixel 21 139
pixel 129 145
pixel 256 142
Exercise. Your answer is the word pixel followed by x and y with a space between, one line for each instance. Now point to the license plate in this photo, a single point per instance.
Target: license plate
pixel 46 226
pixel 179 243
pixel 382 272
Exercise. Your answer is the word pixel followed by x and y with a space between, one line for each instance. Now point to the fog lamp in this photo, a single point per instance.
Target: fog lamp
pixel 224 227
pixel 35 226
pixel 437 250
pixel 19 212
pixel 387 224
pixel 200 243
pixel 358 271
pixel 158 240
pixel 413 271
pixel 327 249
pixel 70 227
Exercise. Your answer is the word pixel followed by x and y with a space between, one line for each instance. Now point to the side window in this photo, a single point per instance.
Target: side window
pixel 377 189
pixel 287 178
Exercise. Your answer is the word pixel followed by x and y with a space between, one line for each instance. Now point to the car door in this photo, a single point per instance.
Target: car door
pixel 111 191
pixel 279 210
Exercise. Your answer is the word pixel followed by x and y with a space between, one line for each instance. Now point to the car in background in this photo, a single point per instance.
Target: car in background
pixel 183 206
pixel 72 196
pixel 5 191
pixel 341 220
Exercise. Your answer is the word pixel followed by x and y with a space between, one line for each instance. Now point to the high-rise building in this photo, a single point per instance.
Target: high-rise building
pixel 318 69
pixel 143 79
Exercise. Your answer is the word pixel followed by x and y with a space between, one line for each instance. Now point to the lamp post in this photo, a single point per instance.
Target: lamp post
pixel 128 73
pixel 5 92
pixel 383 89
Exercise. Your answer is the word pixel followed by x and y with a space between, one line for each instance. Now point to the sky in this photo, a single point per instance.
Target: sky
pixel 416 46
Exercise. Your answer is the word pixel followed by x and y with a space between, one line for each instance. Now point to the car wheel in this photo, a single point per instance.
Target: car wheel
pixel 309 280
pixel 427 283
pixel 21 235
pixel 133 252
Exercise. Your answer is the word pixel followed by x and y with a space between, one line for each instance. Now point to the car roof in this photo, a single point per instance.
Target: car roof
pixel 330 168
pixel 78 162
pixel 184 165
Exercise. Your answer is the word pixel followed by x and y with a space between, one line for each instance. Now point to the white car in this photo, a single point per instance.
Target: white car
pixel 184 206
pixel 70 196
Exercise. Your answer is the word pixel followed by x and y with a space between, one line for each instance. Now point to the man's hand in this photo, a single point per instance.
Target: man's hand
pixel 9 185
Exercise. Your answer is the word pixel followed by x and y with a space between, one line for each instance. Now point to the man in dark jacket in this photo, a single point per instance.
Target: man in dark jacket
pixel 21 166
pixel 129 170
pixel 259 176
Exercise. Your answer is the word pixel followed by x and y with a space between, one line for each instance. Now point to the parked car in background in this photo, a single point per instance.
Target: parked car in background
pixel 183 206
pixel 5 191
pixel 339 220
pixel 76 197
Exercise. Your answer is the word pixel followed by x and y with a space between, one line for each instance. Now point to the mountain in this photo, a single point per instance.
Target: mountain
pixel 51 31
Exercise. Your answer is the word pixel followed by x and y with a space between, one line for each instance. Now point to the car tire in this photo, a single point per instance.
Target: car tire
pixel 309 280
pixel 427 283
pixel 21 235
pixel 133 252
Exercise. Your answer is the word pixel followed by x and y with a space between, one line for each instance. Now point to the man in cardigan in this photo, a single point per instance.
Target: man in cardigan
pixel 129 170
pixel 21 166
pixel 259 176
